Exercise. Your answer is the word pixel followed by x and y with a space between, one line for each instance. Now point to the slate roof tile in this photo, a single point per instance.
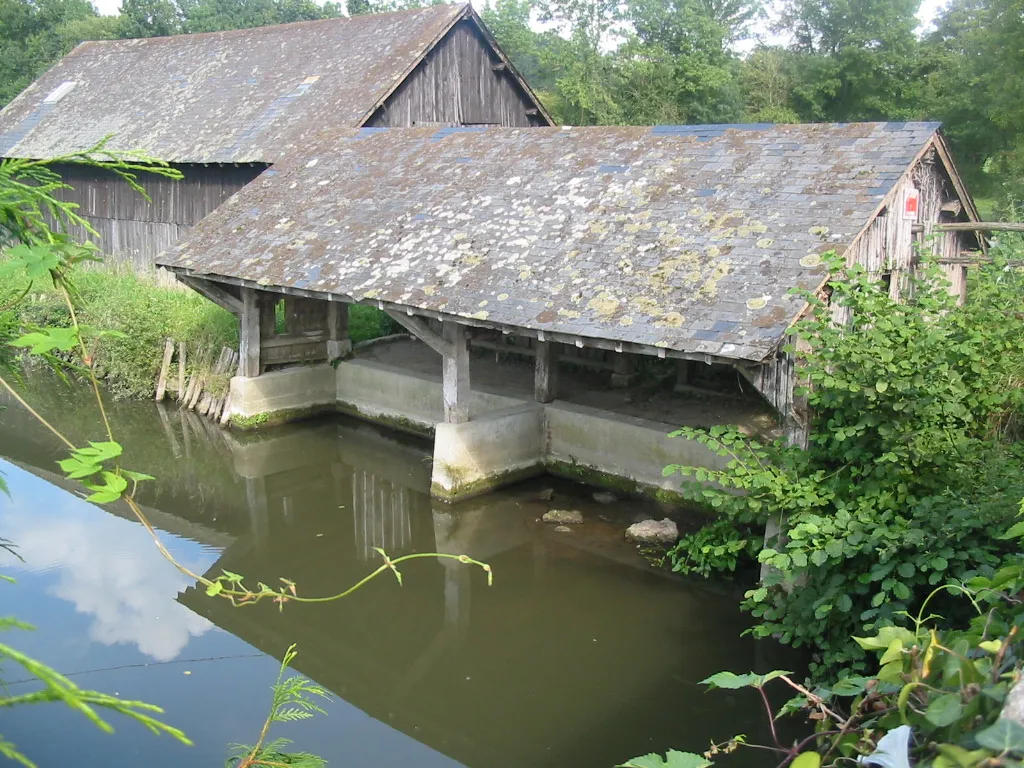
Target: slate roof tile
pixel 535 227
pixel 247 95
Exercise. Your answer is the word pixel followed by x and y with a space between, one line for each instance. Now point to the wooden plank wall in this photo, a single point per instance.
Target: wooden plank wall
pixel 456 84
pixel 304 339
pixel 890 246
pixel 133 230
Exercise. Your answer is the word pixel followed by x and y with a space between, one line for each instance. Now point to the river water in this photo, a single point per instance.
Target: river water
pixel 580 654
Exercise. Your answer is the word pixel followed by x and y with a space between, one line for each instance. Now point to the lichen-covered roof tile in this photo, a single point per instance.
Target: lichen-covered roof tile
pixel 536 217
pixel 247 95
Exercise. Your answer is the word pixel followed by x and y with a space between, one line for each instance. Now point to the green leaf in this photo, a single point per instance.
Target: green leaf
pixel 1003 736
pixel 729 680
pixel 214 589
pixel 35 261
pixel 945 710
pixel 673 759
pixel 109 490
pixel 807 760
pixel 1016 531
pixel 138 477
pixel 47 340
pixel 881 386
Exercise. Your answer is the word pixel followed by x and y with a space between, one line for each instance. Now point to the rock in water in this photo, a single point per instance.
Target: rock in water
pixel 605 498
pixel 546 495
pixel 563 529
pixel 653 532
pixel 563 517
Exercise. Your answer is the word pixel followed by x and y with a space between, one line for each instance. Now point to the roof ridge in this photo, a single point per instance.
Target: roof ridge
pixel 451 8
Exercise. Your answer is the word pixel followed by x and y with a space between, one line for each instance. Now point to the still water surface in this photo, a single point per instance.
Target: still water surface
pixel 578 655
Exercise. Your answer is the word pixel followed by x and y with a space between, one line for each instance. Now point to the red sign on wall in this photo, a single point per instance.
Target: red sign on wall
pixel 910 205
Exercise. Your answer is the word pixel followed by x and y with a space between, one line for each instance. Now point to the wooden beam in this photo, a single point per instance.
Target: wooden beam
pixel 545 372
pixel 339 343
pixel 214 293
pixel 976 226
pixel 591 342
pixel 455 374
pixel 684 375
pixel 419 329
pixel 249 334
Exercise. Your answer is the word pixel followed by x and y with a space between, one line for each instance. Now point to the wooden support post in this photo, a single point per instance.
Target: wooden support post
pixel 624 373
pixel 181 369
pixel 338 342
pixel 165 368
pixel 249 334
pixel 545 372
pixel 684 374
pixel 455 383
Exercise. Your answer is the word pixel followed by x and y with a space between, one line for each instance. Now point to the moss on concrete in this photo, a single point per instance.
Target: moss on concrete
pixel 623 485
pixel 463 491
pixel 276 418
pixel 400 423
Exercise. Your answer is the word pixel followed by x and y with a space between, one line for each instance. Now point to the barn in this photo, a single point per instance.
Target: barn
pixel 676 244
pixel 224 106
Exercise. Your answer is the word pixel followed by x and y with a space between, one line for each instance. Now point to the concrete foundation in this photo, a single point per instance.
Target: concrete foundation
pixel 489 451
pixel 506 439
pixel 284 393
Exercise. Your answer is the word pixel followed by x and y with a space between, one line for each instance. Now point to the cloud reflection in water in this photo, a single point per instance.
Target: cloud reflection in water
pixel 107 567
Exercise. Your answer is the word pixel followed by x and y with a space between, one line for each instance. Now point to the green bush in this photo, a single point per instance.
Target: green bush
pixel 137 307
pixel 910 467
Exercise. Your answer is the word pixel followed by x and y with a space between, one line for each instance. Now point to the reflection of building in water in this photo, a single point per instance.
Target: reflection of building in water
pixel 380 514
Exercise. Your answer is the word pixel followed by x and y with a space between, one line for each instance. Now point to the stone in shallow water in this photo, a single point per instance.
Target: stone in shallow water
pixel 563 529
pixel 546 495
pixel 653 532
pixel 605 498
pixel 563 516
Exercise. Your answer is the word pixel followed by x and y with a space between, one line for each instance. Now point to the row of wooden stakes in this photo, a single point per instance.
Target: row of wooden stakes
pixel 205 391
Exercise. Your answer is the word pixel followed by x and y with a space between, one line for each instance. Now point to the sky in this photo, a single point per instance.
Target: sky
pixel 929 8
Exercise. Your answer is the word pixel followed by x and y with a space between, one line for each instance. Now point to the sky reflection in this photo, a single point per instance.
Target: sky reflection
pixel 105 566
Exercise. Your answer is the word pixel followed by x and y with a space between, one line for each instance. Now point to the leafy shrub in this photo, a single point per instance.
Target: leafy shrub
pixel 908 471
pixel 716 548
pixel 936 700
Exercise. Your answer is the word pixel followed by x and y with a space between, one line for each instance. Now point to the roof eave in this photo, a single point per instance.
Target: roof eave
pixel 553 335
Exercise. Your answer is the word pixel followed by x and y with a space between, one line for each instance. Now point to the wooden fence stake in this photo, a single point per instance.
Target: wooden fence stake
pixel 165 367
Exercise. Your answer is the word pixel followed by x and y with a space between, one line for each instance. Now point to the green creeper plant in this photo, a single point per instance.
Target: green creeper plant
pixel 935 700
pixel 911 462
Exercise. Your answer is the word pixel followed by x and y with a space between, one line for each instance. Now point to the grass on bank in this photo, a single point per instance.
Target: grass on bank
pixel 147 313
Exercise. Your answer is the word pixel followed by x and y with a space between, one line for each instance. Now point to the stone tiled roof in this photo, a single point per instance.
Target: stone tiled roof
pixel 677 237
pixel 240 96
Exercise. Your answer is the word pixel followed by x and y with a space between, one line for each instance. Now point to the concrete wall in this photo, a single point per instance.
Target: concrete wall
pixel 507 438
pixel 603 443
pixel 402 399
pixel 492 450
pixel 301 388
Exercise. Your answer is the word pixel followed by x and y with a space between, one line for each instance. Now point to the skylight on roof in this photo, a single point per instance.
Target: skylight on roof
pixel 60 92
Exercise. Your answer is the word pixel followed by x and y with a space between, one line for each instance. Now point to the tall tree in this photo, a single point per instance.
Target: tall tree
pixel 34 34
pixel 860 55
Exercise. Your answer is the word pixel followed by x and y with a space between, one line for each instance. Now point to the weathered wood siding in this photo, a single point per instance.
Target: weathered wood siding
pixel 458 84
pixel 134 230
pixel 890 246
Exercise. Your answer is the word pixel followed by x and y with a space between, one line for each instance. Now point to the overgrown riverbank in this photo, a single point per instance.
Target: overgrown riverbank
pixel 146 314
